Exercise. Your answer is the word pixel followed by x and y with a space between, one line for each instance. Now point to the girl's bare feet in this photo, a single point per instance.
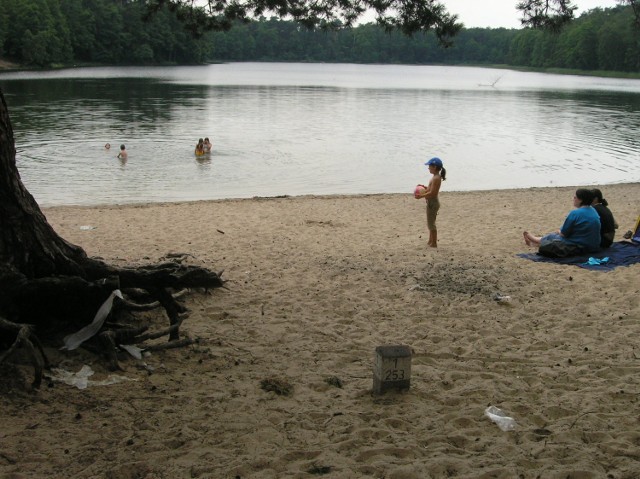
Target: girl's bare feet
pixel 526 238
pixel 433 239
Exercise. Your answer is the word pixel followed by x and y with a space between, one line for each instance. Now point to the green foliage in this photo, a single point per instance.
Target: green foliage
pixel 42 33
pixel 36 32
pixel 548 15
pixel 3 29
pixel 408 16
pixel 47 32
pixel 600 40
pixel 274 39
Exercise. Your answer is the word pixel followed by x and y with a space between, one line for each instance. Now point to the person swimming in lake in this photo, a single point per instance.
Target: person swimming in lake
pixel 123 155
pixel 207 145
pixel 200 148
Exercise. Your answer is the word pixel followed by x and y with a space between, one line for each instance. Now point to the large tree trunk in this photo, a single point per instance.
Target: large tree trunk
pixel 47 283
pixel 27 241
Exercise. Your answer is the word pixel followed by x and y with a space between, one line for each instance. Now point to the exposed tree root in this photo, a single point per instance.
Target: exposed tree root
pixel 171 345
pixel 25 337
pixel 132 306
pixel 63 304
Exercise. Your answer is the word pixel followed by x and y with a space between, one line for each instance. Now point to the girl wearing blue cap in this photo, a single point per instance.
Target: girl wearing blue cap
pixel 430 193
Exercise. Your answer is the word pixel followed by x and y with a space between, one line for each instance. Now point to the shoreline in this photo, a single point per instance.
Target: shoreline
pixel 6 66
pixel 444 191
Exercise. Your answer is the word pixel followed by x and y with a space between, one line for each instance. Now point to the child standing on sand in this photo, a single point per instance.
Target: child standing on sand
pixel 430 193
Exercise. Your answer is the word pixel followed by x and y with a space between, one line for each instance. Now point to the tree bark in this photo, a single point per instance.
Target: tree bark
pixel 27 242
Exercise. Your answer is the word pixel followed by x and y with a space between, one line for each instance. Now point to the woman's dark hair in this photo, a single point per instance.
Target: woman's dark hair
pixel 585 196
pixel 597 194
pixel 442 172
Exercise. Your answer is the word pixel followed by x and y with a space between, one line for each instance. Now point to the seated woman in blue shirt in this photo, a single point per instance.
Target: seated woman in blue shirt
pixel 579 234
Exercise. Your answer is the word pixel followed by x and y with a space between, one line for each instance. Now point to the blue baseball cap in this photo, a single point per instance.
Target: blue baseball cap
pixel 435 162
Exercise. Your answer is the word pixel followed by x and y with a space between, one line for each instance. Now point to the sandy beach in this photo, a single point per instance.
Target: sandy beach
pixel 314 285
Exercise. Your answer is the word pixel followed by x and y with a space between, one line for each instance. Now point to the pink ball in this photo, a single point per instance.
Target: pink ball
pixel 420 189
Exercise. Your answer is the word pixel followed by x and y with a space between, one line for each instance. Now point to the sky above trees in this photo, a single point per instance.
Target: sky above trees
pixel 503 13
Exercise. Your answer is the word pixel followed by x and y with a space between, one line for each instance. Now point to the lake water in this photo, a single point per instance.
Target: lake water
pixel 294 129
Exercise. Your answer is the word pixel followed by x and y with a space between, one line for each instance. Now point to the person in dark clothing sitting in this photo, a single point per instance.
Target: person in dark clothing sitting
pixel 608 224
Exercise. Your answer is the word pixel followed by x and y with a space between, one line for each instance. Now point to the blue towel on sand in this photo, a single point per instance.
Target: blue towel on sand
pixel 621 253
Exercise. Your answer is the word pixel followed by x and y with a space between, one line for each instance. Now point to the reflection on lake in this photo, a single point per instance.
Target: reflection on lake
pixel 314 129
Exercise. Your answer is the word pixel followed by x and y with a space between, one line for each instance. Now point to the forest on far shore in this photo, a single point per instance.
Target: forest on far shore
pixel 103 32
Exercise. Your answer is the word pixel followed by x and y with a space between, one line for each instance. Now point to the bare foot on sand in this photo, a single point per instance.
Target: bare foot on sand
pixel 531 240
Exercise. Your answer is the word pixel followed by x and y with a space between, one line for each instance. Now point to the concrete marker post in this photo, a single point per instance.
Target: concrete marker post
pixel 392 369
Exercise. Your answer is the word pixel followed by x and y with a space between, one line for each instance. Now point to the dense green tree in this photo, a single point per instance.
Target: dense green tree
pixel 94 31
pixel 407 16
pixel 37 31
pixel 3 30
pixel 598 40
pixel 542 52
pixel 267 40
pixel 81 20
pixel 610 55
pixel 107 32
pixel 579 47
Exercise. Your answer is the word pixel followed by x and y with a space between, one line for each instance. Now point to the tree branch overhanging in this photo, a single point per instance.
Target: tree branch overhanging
pixel 552 15
pixel 408 16
pixel 546 14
